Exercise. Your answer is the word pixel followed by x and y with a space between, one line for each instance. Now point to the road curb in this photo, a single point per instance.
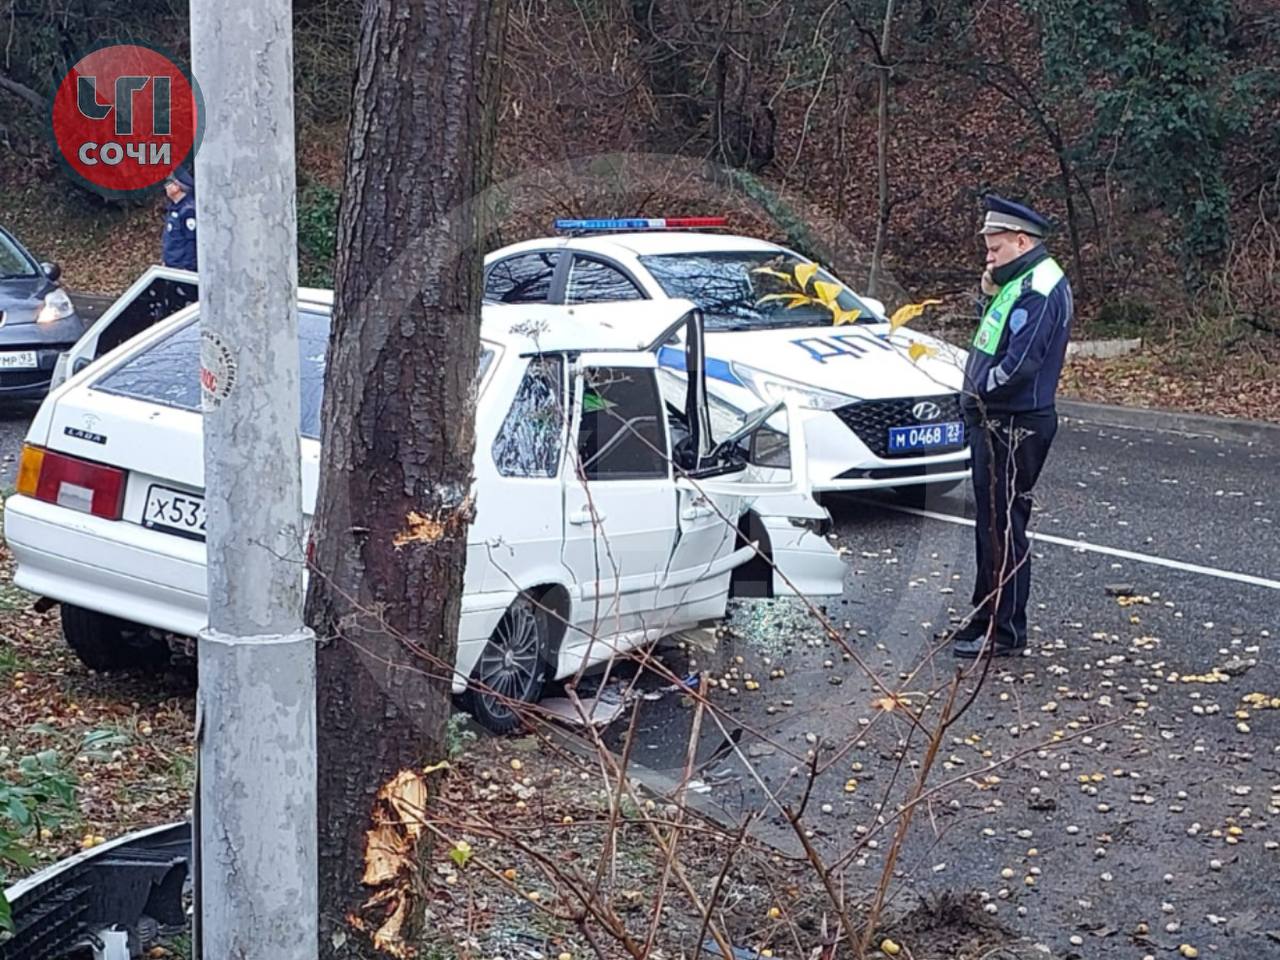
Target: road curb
pixel 1231 429
pixel 1103 349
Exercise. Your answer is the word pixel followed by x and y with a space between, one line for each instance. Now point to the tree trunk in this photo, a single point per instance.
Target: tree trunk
pixel 393 506
pixel 1073 227
pixel 882 149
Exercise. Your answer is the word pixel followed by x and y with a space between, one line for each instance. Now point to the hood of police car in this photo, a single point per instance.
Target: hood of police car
pixel 866 361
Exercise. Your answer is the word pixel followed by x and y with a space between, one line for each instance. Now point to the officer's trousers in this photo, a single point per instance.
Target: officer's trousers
pixel 1008 452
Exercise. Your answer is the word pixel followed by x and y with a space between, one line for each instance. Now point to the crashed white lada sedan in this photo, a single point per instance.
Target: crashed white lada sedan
pixel 609 505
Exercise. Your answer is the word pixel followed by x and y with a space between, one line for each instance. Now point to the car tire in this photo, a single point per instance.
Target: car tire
pixel 512 667
pixel 923 494
pixel 108 643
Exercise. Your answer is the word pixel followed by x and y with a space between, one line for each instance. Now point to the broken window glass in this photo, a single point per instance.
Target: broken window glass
pixel 168 371
pixel 622 435
pixel 530 441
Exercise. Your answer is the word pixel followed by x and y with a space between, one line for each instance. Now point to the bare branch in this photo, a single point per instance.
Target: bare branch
pixel 23 92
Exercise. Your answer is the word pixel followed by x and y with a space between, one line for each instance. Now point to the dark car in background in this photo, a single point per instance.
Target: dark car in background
pixel 38 321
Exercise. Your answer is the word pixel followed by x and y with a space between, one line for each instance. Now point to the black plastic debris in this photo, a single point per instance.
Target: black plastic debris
pixel 134 884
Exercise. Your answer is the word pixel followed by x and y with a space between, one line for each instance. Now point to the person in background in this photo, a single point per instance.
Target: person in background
pixel 178 243
pixel 1011 383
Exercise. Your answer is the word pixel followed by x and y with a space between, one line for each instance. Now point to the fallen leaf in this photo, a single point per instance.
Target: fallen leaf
pixel 461 853
pixel 804 273
pixel 905 314
pixel 918 350
pixel 793 300
pixel 769 271
pixel 826 292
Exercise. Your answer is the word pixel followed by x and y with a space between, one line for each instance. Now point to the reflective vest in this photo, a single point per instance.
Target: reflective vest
pixel 1044 277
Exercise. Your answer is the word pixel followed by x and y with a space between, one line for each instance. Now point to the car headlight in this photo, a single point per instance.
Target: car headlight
pixel 769 387
pixel 57 306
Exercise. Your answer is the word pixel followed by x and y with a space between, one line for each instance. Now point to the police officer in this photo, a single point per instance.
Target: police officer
pixel 1011 380
pixel 178 245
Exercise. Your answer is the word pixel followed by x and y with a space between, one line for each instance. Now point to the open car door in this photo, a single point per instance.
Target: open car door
pixel 160 292
pixel 721 449
pixel 753 471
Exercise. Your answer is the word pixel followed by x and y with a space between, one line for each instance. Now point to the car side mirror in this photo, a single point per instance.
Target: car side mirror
pixel 874 304
pixel 80 364
pixel 51 270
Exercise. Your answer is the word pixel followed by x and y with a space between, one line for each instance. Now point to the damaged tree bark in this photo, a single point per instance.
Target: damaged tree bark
pixel 394 500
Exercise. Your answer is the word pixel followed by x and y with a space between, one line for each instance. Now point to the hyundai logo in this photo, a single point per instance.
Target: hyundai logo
pixel 926 410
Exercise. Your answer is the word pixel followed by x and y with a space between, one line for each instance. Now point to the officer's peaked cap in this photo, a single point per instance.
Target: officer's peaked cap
pixel 1005 216
pixel 183 178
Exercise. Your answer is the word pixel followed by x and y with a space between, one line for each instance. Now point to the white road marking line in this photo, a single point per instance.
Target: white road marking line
pixel 1088 547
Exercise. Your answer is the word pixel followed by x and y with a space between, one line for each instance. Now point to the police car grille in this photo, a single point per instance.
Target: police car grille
pixel 871 420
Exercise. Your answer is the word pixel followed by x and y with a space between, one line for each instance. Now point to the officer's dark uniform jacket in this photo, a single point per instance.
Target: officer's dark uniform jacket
pixel 1016 358
pixel 178 247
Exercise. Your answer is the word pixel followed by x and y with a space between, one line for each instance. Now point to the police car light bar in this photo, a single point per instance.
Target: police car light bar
pixel 641 223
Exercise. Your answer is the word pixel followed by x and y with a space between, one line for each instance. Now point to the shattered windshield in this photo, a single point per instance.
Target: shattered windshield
pixel 757 289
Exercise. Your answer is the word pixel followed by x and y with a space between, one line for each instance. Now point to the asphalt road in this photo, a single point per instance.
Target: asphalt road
pixel 1166 763
pixel 1193 525
pixel 15 417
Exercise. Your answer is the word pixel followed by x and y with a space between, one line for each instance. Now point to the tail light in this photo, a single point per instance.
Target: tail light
pixel 71 482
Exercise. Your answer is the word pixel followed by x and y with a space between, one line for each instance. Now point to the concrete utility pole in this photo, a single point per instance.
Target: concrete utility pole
pixel 256 727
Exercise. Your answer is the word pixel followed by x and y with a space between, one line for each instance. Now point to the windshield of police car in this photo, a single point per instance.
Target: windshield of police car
pixel 756 289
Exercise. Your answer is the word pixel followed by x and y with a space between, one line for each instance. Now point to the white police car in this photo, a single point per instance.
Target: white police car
pixel 876 412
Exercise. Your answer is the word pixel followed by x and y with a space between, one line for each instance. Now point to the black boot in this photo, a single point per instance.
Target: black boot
pixel 974 630
pixel 999 645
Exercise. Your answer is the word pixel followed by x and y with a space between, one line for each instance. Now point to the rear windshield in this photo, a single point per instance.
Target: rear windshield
pixel 13 262
pixel 756 289
pixel 168 372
